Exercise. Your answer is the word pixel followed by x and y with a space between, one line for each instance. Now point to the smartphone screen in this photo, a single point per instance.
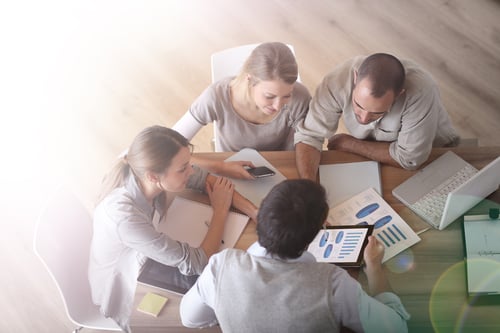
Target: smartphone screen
pixel 261 171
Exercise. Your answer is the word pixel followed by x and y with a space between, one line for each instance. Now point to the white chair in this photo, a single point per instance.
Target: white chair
pixel 228 62
pixel 62 242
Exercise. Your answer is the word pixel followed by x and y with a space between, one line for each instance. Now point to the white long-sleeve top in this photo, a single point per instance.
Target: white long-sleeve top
pixel 124 235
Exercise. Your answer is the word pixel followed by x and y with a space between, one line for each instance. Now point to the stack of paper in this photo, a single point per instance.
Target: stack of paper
pixel 368 207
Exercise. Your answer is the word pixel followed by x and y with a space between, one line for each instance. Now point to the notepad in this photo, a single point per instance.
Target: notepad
pixel 188 221
pixel 344 180
pixel 482 250
pixel 152 304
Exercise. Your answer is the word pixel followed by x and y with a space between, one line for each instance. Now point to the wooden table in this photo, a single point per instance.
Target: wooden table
pixel 429 277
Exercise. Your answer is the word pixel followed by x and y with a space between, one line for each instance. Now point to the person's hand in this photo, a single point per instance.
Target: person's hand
pixel 374 252
pixel 220 194
pixel 236 169
pixel 339 142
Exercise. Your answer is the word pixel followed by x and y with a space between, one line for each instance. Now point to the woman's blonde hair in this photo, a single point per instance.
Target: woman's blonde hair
pixel 151 150
pixel 267 62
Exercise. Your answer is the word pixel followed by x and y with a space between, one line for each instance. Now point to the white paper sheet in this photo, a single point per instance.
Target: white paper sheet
pixel 188 221
pixel 368 207
pixel 256 189
pixel 344 180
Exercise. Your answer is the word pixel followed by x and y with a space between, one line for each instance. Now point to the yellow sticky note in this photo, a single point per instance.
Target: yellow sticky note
pixel 152 304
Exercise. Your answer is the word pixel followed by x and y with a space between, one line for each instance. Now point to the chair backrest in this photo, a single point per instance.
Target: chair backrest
pixel 228 62
pixel 62 242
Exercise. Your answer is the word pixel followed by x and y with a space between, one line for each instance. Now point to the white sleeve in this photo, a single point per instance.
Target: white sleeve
pixel 187 126
pixel 197 305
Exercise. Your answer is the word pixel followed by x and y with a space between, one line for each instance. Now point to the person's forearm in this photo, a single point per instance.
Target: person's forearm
pixel 245 206
pixel 375 151
pixel 240 202
pixel 377 279
pixel 211 242
pixel 307 160
pixel 212 166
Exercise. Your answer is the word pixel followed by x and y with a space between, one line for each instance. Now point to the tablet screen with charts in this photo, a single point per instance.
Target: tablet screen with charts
pixel 341 245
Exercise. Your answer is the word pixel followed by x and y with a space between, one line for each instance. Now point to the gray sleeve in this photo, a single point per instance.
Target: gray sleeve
pixel 197 179
pixel 212 101
pixel 137 232
pixel 355 309
pixel 299 106
pixel 382 313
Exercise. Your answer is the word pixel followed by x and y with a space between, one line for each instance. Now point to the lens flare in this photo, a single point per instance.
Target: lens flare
pixel 402 263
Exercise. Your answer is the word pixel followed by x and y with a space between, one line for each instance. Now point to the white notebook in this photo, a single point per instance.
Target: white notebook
pixel 188 221
pixel 256 189
pixel 344 180
pixel 482 250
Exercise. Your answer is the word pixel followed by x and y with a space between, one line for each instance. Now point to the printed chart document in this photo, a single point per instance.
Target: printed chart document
pixel 344 180
pixel 482 249
pixel 255 189
pixel 188 221
pixel 369 208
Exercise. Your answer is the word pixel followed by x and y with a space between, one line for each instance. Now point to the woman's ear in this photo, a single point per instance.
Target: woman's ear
pixel 151 177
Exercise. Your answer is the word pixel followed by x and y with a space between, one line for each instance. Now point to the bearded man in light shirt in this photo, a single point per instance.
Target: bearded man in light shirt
pixel 391 108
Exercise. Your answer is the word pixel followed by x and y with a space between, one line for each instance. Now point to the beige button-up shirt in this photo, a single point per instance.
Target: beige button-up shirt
pixel 416 122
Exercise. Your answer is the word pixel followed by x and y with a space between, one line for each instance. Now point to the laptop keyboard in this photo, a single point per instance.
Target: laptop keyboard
pixel 431 205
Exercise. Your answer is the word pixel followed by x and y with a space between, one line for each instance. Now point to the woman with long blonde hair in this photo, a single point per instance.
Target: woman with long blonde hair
pixel 259 108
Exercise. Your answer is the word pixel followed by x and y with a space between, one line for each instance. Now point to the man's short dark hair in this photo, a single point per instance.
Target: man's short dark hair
pixel 384 71
pixel 290 216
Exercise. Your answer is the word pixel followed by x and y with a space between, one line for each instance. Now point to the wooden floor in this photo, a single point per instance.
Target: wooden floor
pixel 88 76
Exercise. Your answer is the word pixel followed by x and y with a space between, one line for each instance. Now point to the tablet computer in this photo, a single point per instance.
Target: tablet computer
pixel 165 277
pixel 341 245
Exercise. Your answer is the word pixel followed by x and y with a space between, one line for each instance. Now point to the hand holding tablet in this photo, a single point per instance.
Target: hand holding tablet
pixel 341 245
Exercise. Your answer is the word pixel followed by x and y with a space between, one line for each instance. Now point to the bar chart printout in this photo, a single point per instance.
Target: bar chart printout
pixel 369 208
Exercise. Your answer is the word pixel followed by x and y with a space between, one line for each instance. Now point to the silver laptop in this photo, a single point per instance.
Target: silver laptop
pixel 447 188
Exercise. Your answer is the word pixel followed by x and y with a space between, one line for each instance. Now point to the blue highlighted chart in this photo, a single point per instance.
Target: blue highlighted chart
pixel 369 208
pixel 323 239
pixel 391 235
pixel 338 245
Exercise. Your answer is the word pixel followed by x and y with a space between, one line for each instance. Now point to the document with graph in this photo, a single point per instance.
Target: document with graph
pixel 369 208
